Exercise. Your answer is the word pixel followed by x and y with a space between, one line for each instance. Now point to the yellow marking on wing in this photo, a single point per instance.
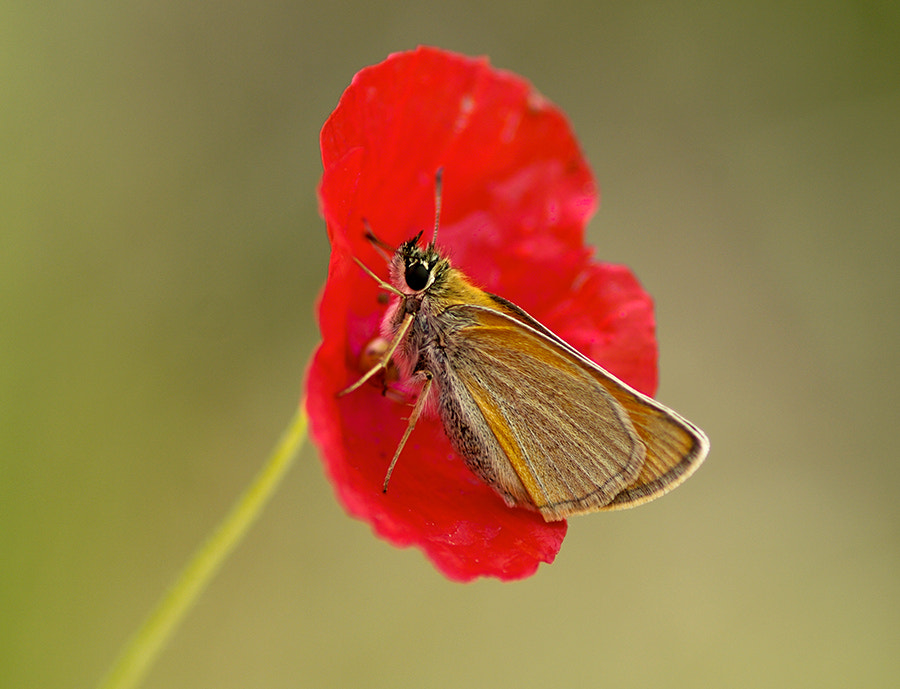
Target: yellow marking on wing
pixel 504 435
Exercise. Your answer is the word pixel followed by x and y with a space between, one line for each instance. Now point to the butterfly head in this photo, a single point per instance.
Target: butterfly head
pixel 415 268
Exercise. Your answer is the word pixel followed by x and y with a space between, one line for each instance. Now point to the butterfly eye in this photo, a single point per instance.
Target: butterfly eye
pixel 417 276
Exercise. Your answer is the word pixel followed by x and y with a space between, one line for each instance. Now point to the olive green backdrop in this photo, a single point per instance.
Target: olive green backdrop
pixel 160 256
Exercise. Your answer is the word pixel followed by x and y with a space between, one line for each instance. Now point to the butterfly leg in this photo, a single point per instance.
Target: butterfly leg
pixel 386 357
pixel 413 418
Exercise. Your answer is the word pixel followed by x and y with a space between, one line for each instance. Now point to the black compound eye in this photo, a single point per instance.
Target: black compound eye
pixel 417 276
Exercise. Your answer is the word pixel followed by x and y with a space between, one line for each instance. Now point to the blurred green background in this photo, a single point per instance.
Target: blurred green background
pixel 161 252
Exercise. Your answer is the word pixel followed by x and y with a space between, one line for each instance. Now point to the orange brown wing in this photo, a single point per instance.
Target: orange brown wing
pixel 579 439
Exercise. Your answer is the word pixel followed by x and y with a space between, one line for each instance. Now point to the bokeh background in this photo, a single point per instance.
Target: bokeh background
pixel 161 253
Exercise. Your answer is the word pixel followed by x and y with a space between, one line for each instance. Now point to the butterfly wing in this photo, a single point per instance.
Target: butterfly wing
pixel 569 441
pixel 579 439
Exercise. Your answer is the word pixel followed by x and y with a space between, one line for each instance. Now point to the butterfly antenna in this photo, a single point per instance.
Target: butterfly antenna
pixel 383 248
pixel 438 188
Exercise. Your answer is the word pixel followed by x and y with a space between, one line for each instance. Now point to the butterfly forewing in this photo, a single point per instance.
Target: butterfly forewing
pixel 567 426
pixel 675 446
pixel 570 442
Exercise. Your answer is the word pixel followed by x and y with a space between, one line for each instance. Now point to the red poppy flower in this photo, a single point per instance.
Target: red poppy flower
pixel 516 195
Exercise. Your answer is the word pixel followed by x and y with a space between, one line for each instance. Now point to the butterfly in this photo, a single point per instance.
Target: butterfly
pixel 543 425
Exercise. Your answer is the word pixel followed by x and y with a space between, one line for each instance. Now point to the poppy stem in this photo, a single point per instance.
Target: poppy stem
pixel 149 640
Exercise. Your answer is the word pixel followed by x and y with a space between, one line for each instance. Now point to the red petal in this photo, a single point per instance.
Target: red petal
pixel 517 193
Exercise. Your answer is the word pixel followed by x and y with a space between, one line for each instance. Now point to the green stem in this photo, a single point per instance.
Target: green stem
pixel 148 642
